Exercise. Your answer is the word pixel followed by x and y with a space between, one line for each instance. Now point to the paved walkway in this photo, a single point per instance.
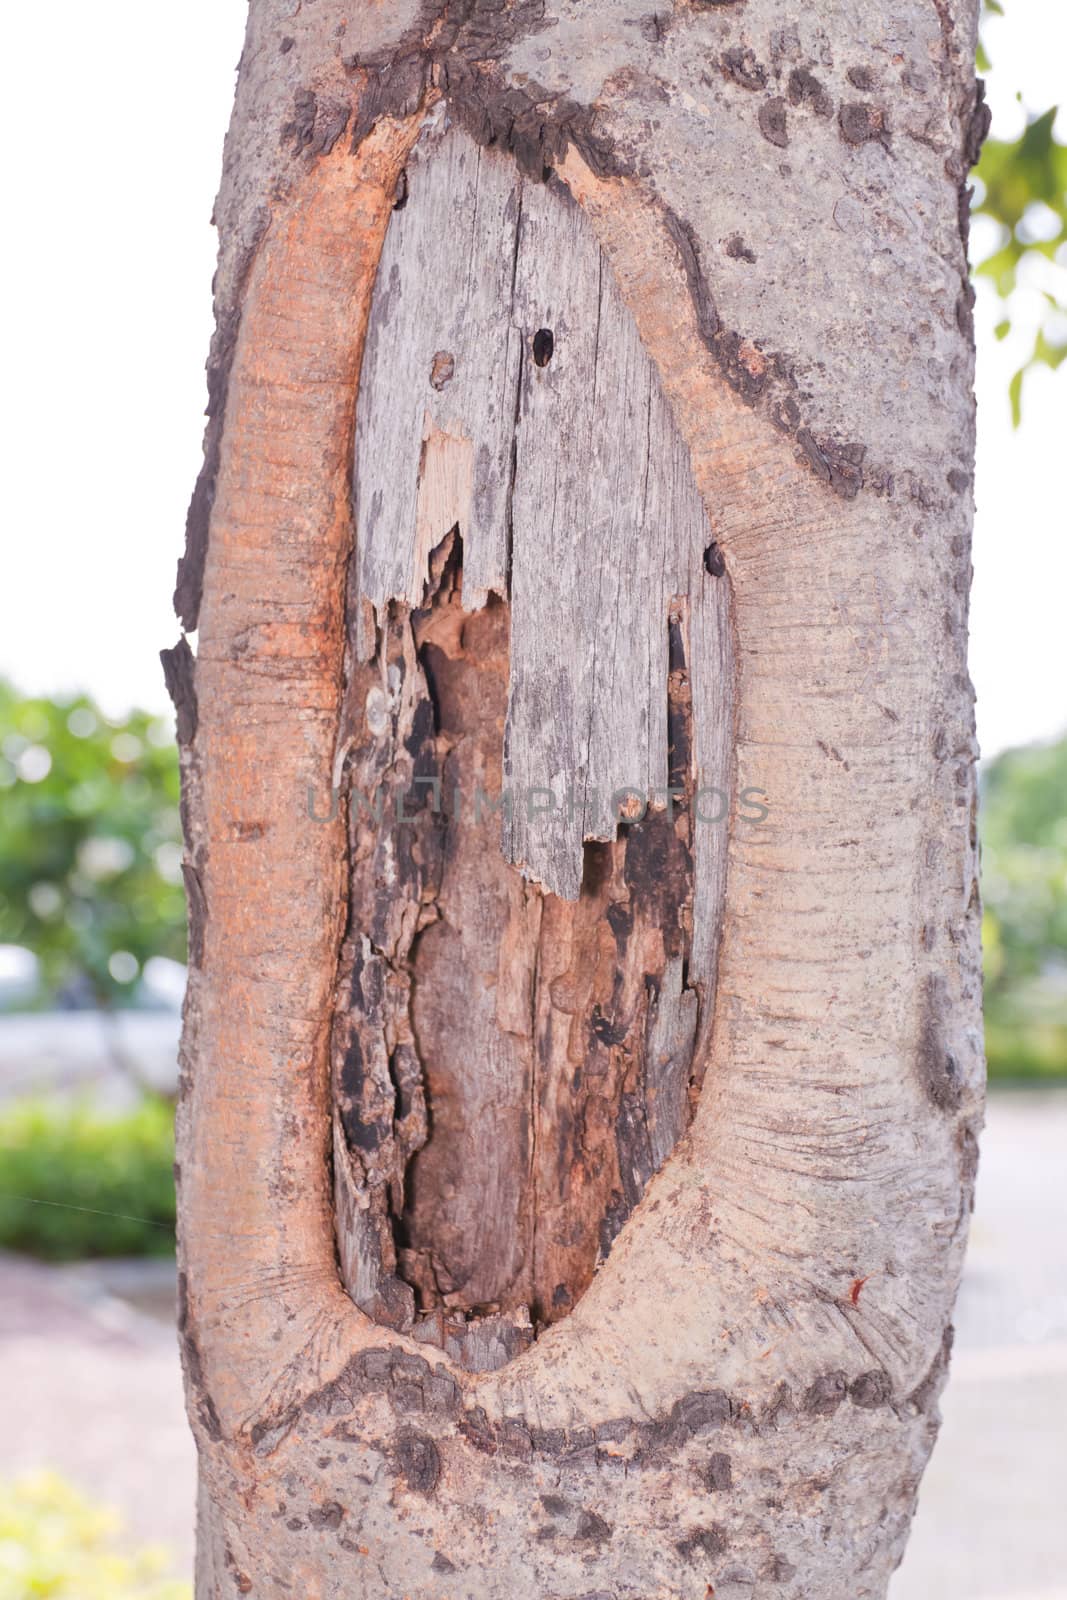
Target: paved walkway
pixel 90 1385
pixel 992 1522
pixel 91 1388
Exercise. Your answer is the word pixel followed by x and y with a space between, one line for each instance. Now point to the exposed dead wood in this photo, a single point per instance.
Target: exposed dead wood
pixel 552 1036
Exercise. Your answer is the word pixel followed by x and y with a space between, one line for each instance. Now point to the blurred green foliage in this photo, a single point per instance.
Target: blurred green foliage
pixel 56 1545
pixel 1022 186
pixel 1024 929
pixel 90 843
pixel 76 1182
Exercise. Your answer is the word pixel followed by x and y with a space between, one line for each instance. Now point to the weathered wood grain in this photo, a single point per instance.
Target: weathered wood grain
pixel 442 357
pixel 538 624
pixel 581 490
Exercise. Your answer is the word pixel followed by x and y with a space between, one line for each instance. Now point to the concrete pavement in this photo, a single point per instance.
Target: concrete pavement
pixel 89 1385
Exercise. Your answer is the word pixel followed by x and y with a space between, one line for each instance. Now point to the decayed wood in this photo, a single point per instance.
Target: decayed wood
pixel 510 417
pixel 510 1068
pixel 578 502
pixel 745 1396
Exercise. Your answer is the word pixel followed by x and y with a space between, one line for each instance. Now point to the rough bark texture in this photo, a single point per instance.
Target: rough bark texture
pixel 742 1399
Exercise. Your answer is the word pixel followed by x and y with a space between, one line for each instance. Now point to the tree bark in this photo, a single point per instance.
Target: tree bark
pixel 573 1194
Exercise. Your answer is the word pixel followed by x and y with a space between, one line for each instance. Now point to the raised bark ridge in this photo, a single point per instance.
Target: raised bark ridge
pixel 775 1309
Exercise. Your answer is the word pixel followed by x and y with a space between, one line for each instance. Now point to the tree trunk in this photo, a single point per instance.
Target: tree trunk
pixel 582 1063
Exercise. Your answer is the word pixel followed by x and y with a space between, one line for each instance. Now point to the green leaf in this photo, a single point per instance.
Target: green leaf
pixel 1015 175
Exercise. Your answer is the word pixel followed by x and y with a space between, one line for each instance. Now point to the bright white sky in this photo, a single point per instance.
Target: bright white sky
pixel 113 157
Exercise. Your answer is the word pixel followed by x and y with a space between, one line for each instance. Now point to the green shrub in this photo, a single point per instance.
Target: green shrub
pixel 1024 929
pixel 77 1182
pixel 1031 1050
pixel 90 843
pixel 57 1545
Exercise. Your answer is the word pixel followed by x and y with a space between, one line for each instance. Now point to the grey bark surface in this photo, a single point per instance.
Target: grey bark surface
pixel 764 214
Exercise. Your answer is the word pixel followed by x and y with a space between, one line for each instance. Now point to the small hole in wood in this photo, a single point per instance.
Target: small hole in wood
pixel 400 193
pixel 544 344
pixel 713 561
pixel 442 369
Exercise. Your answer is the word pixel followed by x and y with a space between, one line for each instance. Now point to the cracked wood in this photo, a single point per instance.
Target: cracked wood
pixel 519 483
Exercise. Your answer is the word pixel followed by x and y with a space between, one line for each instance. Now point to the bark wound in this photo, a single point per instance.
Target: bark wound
pixel 509 1067
pixel 526 983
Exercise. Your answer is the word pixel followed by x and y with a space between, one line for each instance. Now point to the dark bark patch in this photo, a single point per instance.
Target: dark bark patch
pixel 965 309
pixel 741 66
pixel 464 60
pixel 269 1433
pixel 179 675
pixel 772 122
pixel 860 122
pixel 194 1369
pixel 196 905
pixel 592 1528
pixel 862 78
pixel 823 1397
pixel 976 126
pixel 738 250
pixel 647 1444
pixel 938 1069
pixel 870 1389
pixel 702 1542
pixel 804 89
pixel 967 1143
pixel 418 1461
pixel 555 1505
pixel 696 1413
pixel 838 464
pixel 328 1516
pixel 699 289
pixel 315 125
pixel 717 1475
pixel 393 87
